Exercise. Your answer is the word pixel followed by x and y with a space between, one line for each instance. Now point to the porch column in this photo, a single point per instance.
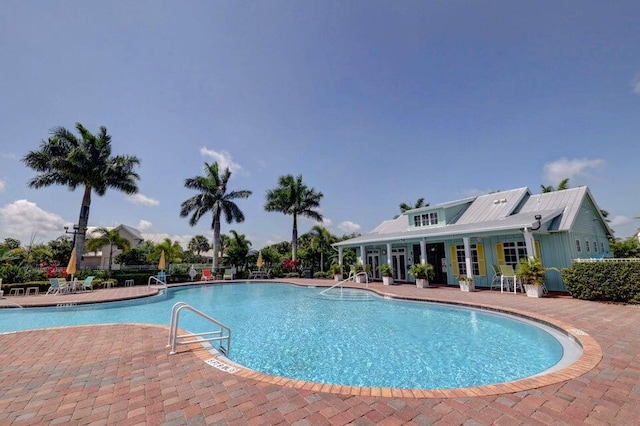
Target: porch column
pixel 467 256
pixel 389 253
pixel 530 244
pixel 423 252
pixel 340 259
pixel 362 256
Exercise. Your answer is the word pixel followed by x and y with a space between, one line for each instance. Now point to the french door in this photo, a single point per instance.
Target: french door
pixel 399 264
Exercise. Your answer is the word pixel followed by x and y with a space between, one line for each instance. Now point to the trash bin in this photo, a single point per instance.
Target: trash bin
pixel 308 273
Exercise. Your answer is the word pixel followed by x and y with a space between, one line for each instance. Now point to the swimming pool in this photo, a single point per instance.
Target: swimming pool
pixel 294 332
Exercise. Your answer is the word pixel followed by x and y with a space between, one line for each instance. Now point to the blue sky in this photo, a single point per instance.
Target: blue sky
pixel 374 102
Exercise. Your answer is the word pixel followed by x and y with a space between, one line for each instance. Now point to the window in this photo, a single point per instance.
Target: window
pixel 602 246
pixel 425 219
pixel 595 246
pixel 513 252
pixel 578 248
pixel 462 264
pixel 587 246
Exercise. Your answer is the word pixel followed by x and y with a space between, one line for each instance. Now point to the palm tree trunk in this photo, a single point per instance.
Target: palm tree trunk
pixel 83 221
pixel 110 257
pixel 294 238
pixel 216 241
pixel 321 260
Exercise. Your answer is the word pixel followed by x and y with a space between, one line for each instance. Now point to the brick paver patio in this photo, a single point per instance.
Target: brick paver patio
pixel 122 374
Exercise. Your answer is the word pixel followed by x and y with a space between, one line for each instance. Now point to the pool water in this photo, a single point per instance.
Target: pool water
pixel 295 332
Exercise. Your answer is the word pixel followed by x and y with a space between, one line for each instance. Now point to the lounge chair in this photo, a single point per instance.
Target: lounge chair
pixel 228 275
pixel 509 275
pixel 63 286
pixel 54 287
pixel 206 275
pixel 497 277
pixel 86 285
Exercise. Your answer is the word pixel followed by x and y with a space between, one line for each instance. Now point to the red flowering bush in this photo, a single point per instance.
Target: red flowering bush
pixel 289 265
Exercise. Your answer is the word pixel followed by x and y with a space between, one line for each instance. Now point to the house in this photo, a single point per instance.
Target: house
pixel 100 259
pixel 478 232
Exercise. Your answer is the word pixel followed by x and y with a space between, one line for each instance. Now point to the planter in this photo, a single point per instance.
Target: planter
pixel 337 277
pixel 533 290
pixel 465 286
pixel 387 280
pixel 361 279
pixel 422 283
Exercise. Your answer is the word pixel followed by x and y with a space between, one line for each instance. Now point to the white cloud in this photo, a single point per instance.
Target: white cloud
pixel 3 185
pixel 142 200
pixel 620 220
pixel 22 219
pixel 349 227
pixel 635 85
pixel 8 155
pixel 223 158
pixel 326 222
pixel 563 168
pixel 144 225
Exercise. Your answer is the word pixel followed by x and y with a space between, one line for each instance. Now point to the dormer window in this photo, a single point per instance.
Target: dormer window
pixel 426 219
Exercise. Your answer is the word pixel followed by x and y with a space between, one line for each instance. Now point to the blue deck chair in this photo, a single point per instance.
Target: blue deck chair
pixel 86 285
pixel 54 287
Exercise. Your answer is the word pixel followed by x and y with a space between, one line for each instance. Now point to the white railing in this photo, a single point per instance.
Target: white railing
pixel 156 279
pixel 352 278
pixel 222 336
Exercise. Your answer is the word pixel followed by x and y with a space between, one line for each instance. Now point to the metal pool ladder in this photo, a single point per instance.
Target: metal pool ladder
pixel 222 335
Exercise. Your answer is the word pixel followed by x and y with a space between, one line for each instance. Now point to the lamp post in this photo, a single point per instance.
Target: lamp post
pixel 76 230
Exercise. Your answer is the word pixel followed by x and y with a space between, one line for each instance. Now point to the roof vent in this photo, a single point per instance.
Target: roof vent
pixel 503 200
pixel 496 201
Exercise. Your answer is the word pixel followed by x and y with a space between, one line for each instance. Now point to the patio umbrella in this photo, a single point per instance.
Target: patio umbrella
pixel 259 261
pixel 161 264
pixel 71 267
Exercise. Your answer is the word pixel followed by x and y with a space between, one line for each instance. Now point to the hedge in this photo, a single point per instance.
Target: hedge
pixel 605 281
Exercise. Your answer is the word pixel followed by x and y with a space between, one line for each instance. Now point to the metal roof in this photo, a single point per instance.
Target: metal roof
pixel 510 223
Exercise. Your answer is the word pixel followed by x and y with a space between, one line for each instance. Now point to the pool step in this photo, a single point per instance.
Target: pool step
pixel 346 294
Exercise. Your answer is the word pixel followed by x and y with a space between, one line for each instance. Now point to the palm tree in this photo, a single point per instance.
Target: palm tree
pixel 238 249
pixel 198 244
pixel 419 203
pixel 109 237
pixel 320 241
pixel 562 185
pixel 172 251
pixel 86 162
pixel 293 197
pixel 214 198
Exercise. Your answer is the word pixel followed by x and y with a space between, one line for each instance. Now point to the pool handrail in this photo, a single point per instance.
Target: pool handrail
pixel 351 277
pixel 223 335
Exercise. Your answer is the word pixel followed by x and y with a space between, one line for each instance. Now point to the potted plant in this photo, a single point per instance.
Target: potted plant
pixel 421 272
pixel 387 273
pixel 336 271
pixel 532 274
pixel 357 270
pixel 466 283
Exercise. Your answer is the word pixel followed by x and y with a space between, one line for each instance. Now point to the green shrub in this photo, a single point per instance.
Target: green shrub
pixel 605 281
pixel 12 274
pixel 321 275
pixel 35 275
pixel 292 275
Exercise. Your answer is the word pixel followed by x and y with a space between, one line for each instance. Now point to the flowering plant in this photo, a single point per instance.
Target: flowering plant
pixel 289 265
pixel 466 279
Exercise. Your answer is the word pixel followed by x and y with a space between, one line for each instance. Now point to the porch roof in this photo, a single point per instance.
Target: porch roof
pixel 514 222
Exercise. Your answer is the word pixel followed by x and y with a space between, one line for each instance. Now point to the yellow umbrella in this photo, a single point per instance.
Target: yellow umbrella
pixel 161 264
pixel 71 267
pixel 259 261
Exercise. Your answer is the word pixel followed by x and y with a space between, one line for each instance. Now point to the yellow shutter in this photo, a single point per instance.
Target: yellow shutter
pixel 500 254
pixel 538 252
pixel 454 261
pixel 481 266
